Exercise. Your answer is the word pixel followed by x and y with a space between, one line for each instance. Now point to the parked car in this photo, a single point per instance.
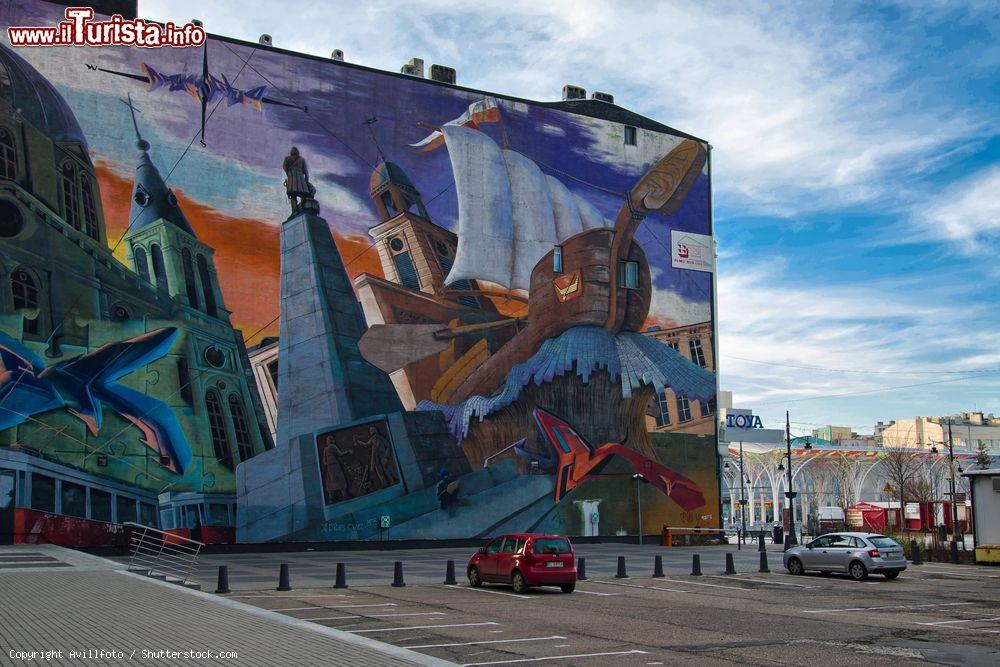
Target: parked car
pixel 858 554
pixel 523 560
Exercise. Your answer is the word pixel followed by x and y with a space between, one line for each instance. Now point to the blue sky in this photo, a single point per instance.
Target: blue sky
pixel 855 167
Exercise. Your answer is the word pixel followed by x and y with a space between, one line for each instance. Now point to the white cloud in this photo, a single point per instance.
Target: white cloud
pixel 967 213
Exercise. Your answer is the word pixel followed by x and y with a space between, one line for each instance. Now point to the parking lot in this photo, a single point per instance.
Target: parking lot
pixel 936 612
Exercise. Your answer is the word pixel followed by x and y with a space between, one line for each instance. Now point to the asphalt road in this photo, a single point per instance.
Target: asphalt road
pixel 937 613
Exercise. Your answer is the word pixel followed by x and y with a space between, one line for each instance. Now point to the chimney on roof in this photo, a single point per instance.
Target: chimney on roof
pixel 414 68
pixel 603 97
pixel 571 92
pixel 443 74
pixel 264 39
pixel 337 55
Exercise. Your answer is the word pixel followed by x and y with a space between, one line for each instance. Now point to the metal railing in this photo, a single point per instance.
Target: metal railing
pixel 157 552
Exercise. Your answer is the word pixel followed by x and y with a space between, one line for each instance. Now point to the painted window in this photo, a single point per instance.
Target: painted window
pixel 70 195
pixel 663 409
pixel 25 291
pixel 126 509
pixel 697 354
pixel 630 135
pixel 89 209
pixel 100 505
pixel 8 155
pixel 628 274
pixel 407 272
pixel 683 409
pixel 674 344
pixel 468 300
pixel 217 429
pixel 141 264
pixel 189 284
pixel 74 499
pixel 208 291
pixel 159 269
pixel 708 407
pixel 43 493
pixel 244 443
pixel 557 263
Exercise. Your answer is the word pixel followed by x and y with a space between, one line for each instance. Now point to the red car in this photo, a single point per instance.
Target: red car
pixel 523 560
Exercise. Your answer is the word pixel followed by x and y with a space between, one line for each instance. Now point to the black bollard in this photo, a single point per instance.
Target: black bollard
pixel 954 552
pixel 763 562
pixel 284 583
pixel 397 574
pixel 695 565
pixel 621 569
pixel 760 542
pixel 223 585
pixel 658 566
pixel 915 554
pixel 581 568
pixel 449 574
pixel 341 576
pixel 730 568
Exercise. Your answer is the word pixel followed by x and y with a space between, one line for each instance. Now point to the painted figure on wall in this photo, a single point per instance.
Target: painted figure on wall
pixel 301 193
pixel 364 466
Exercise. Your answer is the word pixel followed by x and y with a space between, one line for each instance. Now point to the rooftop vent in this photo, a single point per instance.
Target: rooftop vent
pixel 197 22
pixel 337 55
pixel 443 74
pixel 264 39
pixel 603 97
pixel 414 68
pixel 571 92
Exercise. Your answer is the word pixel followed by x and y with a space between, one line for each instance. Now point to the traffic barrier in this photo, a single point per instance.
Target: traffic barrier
pixel 760 542
pixel 581 568
pixel 730 567
pixel 954 552
pixel 397 574
pixel 695 565
pixel 658 566
pixel 621 569
pixel 223 586
pixel 915 556
pixel 763 562
pixel 284 583
pixel 341 576
pixel 449 574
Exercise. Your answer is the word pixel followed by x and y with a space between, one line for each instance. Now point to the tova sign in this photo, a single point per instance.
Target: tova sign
pixel 743 421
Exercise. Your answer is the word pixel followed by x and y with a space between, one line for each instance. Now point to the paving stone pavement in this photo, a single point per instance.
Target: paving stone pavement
pixel 92 605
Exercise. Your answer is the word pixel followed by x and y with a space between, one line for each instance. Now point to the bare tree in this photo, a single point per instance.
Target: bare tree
pixel 900 468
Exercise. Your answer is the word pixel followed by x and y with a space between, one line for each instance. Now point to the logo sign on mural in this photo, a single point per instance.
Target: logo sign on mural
pixel 595 517
pixel 385 521
pixel 691 251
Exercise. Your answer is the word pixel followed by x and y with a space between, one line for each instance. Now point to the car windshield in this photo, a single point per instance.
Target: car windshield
pixel 882 541
pixel 551 545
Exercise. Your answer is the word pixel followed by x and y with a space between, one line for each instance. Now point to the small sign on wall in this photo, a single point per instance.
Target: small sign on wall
pixel 692 251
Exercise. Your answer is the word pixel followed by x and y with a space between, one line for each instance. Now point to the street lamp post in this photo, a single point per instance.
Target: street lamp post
pixel 638 503
pixel 790 539
pixel 951 484
pixel 743 498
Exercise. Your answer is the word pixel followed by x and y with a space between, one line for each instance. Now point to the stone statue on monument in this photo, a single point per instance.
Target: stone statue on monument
pixel 301 193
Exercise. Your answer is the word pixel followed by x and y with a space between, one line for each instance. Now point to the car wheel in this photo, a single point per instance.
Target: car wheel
pixel 474 579
pixel 568 588
pixel 795 566
pixel 858 571
pixel 520 585
pixel 891 575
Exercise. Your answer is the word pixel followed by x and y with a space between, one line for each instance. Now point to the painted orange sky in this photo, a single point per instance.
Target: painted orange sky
pixel 247 252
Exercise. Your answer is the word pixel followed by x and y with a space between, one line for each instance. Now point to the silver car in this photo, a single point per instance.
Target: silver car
pixel 858 554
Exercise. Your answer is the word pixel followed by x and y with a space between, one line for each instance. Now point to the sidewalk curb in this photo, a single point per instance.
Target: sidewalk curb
pixel 333 633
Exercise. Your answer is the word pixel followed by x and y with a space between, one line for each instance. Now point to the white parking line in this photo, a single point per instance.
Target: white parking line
pixel 655 588
pixel 487 641
pixel 330 618
pixel 336 606
pixel 410 613
pixel 889 606
pixel 556 657
pixel 964 620
pixel 424 627
pixel 487 590
pixel 595 593
pixel 291 597
pixel 763 581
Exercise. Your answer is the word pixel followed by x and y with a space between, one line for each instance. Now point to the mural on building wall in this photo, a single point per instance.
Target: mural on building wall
pixel 486 307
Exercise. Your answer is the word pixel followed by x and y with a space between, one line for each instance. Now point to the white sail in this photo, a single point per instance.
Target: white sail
pixel 485 223
pixel 589 215
pixel 510 214
pixel 564 209
pixel 531 210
